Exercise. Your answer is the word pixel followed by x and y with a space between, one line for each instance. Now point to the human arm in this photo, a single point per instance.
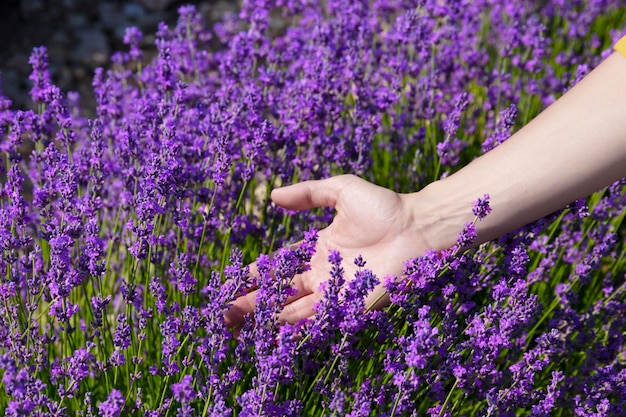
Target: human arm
pixel 573 148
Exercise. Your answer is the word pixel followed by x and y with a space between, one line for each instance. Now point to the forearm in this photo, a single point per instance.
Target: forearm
pixel 573 148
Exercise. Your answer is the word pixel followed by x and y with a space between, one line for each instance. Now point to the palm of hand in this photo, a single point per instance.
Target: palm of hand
pixel 371 221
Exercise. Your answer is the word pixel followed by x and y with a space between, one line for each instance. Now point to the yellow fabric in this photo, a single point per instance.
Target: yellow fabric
pixel 620 46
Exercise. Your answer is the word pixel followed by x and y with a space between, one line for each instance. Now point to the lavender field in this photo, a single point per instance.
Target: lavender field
pixel 127 231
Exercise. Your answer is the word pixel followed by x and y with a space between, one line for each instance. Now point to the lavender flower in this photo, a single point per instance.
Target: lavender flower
pixel 481 207
pixel 113 406
pixel 183 390
pixel 467 235
pixel 128 229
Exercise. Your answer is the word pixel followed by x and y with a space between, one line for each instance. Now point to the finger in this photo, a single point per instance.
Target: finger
pixel 253 270
pixel 246 304
pixel 309 194
pixel 243 305
pixel 298 309
pixel 377 300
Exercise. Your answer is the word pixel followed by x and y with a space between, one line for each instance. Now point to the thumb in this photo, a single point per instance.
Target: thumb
pixel 309 194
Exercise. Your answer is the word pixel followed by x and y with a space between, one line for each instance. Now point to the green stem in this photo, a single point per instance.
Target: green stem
pixel 396 402
pixel 447 400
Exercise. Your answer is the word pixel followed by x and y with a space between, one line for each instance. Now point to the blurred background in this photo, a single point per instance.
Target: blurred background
pixel 80 36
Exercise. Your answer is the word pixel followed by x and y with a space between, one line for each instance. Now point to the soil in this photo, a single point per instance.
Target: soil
pixel 80 36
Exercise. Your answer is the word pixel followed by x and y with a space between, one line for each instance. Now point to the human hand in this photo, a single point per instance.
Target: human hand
pixel 371 221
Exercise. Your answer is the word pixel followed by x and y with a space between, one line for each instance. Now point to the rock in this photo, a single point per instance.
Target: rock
pixel 70 4
pixel 76 21
pixel 10 83
pixel 151 21
pixel 133 12
pixel 30 7
pixel 59 37
pixel 157 5
pixel 109 14
pixel 65 78
pixel 147 24
pixel 120 29
pixel 217 10
pixel 80 35
pixel 93 47
pixel 130 14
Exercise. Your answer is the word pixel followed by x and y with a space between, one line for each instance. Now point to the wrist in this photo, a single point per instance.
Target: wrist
pixel 438 214
pixel 427 217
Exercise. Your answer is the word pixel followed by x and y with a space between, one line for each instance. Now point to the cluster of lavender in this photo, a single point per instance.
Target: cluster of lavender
pixel 125 233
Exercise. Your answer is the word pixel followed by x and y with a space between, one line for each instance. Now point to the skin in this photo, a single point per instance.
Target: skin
pixel 572 149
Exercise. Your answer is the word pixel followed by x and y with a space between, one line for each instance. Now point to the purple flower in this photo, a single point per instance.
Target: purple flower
pixel 79 364
pixel 122 335
pixel 132 38
pixel 185 282
pixel 503 131
pixel 481 207
pixel 64 310
pixel 113 405
pixel 40 75
pixel 467 235
pixel 328 309
pixel 518 261
pixel 183 391
pixel 118 221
